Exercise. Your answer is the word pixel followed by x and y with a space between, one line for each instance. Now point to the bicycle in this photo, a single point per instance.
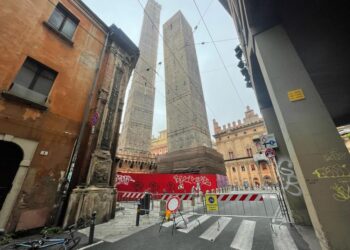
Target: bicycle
pixel 46 242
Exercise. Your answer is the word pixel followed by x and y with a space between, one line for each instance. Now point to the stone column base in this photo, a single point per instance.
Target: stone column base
pixel 83 201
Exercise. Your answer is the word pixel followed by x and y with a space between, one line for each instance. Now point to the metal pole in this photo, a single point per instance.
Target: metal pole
pixel 138 214
pixel 282 192
pixel 92 228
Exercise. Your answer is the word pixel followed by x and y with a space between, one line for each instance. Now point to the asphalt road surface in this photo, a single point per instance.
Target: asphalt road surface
pixel 218 230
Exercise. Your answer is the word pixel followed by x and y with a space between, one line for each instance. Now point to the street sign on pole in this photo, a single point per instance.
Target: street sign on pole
pixel 173 204
pixel 270 153
pixel 211 201
pixel 268 141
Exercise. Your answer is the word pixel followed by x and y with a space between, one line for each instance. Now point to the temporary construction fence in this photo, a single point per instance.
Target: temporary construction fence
pixel 254 203
pixel 265 204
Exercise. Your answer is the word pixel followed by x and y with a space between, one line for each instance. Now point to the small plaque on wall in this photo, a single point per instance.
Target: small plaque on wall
pixel 296 95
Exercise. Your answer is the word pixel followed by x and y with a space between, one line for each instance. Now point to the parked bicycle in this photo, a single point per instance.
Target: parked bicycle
pixel 66 243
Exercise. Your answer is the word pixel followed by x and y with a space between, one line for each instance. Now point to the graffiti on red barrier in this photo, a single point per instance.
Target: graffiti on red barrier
pixel 124 179
pixel 169 183
pixel 202 180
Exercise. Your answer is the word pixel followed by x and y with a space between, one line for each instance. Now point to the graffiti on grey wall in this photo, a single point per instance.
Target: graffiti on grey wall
pixel 338 170
pixel 289 180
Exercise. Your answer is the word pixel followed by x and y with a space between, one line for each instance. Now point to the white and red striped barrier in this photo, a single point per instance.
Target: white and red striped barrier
pixel 237 196
pixel 130 196
pixel 183 197
pixel 240 197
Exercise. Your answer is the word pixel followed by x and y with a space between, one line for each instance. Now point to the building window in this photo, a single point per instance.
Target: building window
pixel 230 155
pixel 234 169
pixel 243 168
pixel 63 21
pixel 33 82
pixel 245 132
pixel 263 165
pixel 253 167
pixel 249 152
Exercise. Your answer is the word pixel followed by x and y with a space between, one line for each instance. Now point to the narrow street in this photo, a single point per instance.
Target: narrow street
pixel 227 228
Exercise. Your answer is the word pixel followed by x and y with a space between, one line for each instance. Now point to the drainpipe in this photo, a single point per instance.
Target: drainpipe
pixel 67 179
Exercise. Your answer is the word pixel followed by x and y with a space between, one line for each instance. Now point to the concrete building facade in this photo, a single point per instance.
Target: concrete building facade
pixel 187 122
pixel 136 133
pixel 246 165
pixel 49 68
pixel 296 56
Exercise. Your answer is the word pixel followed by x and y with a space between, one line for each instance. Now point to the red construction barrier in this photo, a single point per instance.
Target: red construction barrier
pixel 169 183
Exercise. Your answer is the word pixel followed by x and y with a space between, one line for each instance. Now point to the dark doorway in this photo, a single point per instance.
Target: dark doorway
pixel 10 158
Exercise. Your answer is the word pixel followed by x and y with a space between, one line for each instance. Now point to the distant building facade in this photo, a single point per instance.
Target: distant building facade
pixel 159 145
pixel 236 143
pixel 344 132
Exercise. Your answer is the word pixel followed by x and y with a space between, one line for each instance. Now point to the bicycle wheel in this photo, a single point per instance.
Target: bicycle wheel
pixel 26 245
pixel 69 245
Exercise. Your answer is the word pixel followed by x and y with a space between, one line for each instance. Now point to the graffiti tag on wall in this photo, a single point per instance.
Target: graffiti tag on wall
pixel 124 179
pixel 202 180
pixel 289 180
pixel 338 171
pixel 341 190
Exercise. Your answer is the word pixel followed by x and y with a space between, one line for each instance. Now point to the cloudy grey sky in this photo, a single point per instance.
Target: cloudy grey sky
pixel 222 101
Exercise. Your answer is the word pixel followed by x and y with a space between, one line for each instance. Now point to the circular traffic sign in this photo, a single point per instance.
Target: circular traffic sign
pixel 173 203
pixel 269 152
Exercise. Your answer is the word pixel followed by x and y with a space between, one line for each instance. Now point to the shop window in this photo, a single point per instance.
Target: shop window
pixel 33 82
pixel 63 21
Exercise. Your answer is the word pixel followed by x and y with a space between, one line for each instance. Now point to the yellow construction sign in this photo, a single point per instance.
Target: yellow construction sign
pixel 211 201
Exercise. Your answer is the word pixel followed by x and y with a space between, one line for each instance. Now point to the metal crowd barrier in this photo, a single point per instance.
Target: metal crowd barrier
pixel 252 203
pixel 264 204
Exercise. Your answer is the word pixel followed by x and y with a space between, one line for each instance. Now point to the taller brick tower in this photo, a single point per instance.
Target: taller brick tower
pixel 189 143
pixel 137 128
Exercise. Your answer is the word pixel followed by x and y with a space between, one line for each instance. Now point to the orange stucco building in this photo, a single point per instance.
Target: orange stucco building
pixel 50 58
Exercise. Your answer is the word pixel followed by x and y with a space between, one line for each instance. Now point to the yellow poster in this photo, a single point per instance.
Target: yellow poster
pixel 296 95
pixel 211 202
